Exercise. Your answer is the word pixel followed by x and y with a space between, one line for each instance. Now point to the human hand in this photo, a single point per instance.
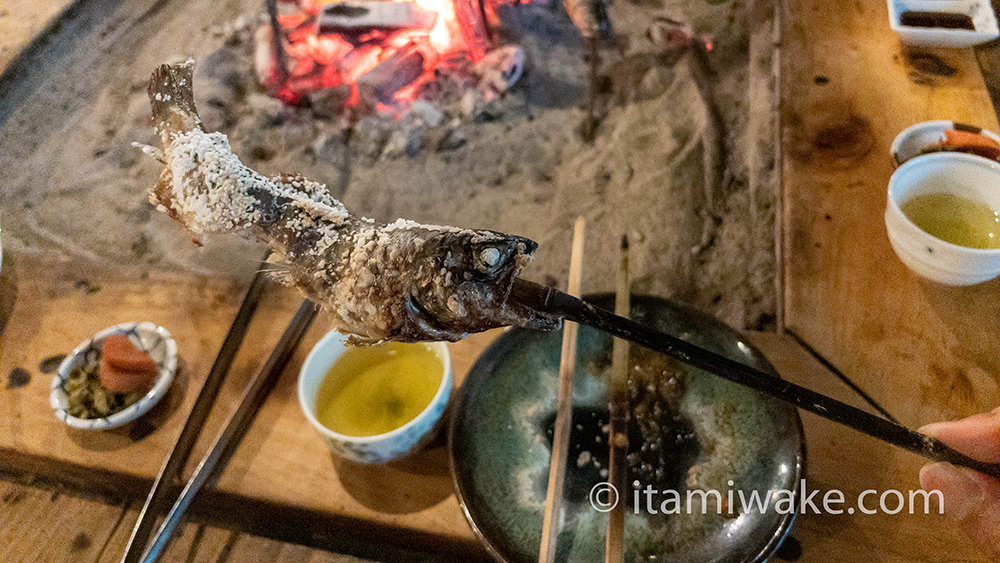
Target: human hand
pixel 971 499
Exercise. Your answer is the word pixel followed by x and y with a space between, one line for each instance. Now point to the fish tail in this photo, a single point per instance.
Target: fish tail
pixel 172 99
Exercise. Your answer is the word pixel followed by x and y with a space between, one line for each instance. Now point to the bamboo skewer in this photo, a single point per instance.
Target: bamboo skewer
pixel 614 547
pixel 564 409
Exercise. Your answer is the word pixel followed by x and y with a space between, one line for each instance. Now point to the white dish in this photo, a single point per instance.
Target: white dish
pixel 966 175
pixel 154 340
pixel 923 138
pixel 979 11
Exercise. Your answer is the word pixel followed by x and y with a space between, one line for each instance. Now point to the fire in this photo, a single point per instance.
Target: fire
pixel 382 50
pixel 442 35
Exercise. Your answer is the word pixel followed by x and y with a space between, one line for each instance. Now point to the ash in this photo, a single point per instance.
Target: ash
pixel 682 160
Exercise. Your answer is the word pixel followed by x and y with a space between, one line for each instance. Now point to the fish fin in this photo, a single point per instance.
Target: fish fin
pixel 283 277
pixel 153 152
pixel 171 96
pixel 355 340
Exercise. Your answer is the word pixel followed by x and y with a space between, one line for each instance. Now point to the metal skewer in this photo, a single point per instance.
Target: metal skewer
pixel 588 129
pixel 564 410
pixel 231 435
pixel 171 469
pixel 552 301
pixel 614 547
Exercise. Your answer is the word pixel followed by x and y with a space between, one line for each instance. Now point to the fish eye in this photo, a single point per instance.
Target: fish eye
pixel 489 257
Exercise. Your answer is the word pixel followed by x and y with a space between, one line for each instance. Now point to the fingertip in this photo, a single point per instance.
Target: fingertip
pixel 933 475
pixel 977 436
pixel 933 428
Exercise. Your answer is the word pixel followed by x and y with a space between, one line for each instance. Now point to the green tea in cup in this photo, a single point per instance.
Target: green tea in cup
pixel 373 390
pixel 955 219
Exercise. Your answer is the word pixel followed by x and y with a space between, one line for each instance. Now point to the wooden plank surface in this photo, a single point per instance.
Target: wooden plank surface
pixel 44 525
pixel 924 351
pixel 21 21
pixel 282 461
pixel 838 458
pixel 41 525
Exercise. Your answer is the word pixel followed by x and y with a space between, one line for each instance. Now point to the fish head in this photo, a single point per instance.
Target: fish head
pixel 475 271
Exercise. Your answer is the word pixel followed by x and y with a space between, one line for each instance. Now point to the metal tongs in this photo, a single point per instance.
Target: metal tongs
pixel 228 438
pixel 554 302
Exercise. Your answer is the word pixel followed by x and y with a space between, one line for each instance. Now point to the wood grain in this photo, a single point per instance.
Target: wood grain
pixel 40 525
pixel 838 458
pixel 923 351
pixel 46 525
pixel 282 462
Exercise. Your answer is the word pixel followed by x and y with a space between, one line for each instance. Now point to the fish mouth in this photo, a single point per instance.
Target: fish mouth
pixel 426 326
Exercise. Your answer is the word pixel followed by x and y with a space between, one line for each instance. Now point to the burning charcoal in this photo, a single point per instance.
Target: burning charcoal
pixel 381 83
pixel 499 70
pixel 358 61
pixel 474 32
pixel 359 16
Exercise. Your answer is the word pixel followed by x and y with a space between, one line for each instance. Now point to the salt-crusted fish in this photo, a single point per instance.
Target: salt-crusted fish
pixel 399 281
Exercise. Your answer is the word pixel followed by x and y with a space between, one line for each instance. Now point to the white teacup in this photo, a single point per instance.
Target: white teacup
pixel 964 175
pixel 379 448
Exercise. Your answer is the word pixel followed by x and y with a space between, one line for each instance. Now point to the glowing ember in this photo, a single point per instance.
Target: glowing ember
pixel 444 31
pixel 390 48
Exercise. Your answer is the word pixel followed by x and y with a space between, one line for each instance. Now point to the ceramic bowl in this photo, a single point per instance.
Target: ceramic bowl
pixel 500 448
pixel 979 11
pixel 379 448
pixel 961 174
pixel 154 340
pixel 926 138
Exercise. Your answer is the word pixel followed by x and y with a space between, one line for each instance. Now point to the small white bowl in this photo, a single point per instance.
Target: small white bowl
pixel 926 137
pixel 961 174
pixel 154 340
pixel 379 448
pixel 983 20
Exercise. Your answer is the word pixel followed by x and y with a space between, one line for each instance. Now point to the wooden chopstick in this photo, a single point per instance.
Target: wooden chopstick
pixel 564 409
pixel 614 547
pixel 171 469
pixel 232 433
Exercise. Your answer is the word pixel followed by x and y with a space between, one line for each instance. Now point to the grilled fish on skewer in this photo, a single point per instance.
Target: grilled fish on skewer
pixel 401 281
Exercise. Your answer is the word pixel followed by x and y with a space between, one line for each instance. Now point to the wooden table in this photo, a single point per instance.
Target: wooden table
pixel 925 352
pixel 283 482
pixel 282 471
